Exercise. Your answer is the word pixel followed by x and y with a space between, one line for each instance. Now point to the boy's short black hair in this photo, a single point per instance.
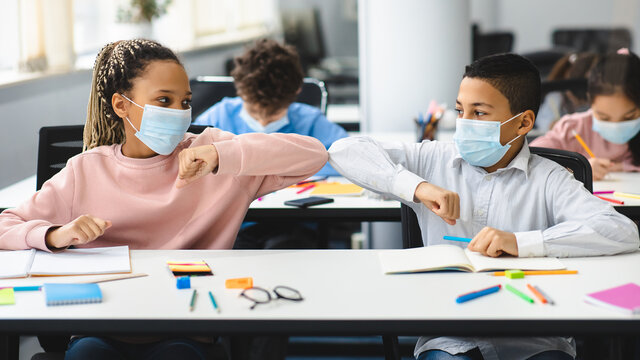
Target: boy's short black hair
pixel 513 75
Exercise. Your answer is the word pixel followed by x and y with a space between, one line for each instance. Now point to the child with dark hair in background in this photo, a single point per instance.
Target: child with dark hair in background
pixel 611 127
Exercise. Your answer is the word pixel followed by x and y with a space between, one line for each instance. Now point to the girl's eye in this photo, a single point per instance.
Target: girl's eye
pixel 163 100
pixel 186 102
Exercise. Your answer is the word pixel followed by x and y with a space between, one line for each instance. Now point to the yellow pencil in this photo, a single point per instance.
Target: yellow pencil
pixel 584 144
pixel 627 195
pixel 541 272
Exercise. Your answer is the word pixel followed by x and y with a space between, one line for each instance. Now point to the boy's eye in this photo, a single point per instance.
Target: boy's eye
pixel 479 113
pixel 459 111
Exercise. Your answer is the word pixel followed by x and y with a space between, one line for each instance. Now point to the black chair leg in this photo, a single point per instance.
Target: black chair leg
pixel 9 347
pixel 391 347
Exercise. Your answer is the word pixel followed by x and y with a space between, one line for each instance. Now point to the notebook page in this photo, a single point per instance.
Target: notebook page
pixel 106 260
pixel 15 263
pixel 427 258
pixel 485 263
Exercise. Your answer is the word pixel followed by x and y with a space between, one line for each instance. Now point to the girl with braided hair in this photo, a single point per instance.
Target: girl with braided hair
pixel 144 182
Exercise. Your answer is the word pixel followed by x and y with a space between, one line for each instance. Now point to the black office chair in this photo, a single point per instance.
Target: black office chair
pixel 576 86
pixel 485 44
pixel 208 90
pixel 412 236
pixel 57 144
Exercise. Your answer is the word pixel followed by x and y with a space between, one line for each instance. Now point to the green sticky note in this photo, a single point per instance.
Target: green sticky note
pixel 6 297
pixel 514 274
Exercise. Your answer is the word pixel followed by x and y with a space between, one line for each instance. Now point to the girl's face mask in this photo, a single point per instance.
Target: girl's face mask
pixel 619 132
pixel 161 129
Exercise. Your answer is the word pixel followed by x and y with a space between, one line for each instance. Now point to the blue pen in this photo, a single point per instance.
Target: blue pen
pixel 455 238
pixel 27 288
pixel 477 294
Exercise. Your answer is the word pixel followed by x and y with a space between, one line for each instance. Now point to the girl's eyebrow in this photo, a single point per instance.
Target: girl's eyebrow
pixel 631 111
pixel 172 92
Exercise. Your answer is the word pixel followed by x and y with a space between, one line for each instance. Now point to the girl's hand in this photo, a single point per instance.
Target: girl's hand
pixel 442 202
pixel 82 230
pixel 493 242
pixel 600 167
pixel 195 163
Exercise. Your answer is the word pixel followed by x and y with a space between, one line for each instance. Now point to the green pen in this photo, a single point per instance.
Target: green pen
pixel 193 300
pixel 519 293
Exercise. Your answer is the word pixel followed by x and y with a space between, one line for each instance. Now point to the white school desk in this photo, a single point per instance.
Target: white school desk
pixel 627 182
pixel 345 293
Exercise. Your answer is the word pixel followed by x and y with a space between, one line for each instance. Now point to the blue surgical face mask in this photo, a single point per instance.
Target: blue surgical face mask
pixel 162 128
pixel 479 141
pixel 617 132
pixel 257 127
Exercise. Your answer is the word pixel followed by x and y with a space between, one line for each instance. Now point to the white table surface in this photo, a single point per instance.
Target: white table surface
pixel 343 113
pixel 628 182
pixel 336 285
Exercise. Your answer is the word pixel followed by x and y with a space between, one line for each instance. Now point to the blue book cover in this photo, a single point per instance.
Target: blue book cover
pixel 66 294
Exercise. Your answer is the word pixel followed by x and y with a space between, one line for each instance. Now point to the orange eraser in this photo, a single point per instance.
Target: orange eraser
pixel 239 283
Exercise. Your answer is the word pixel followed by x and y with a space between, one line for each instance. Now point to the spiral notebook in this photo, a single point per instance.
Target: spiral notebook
pixel 69 294
pixel 624 298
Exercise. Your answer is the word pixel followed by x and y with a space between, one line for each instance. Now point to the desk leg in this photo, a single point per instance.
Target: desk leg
pixel 391 347
pixel 9 347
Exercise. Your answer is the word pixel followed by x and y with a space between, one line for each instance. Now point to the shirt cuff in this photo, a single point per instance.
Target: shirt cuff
pixel 229 157
pixel 530 243
pixel 405 184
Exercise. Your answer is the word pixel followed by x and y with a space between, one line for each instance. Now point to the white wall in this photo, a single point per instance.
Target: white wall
pixel 62 100
pixel 533 22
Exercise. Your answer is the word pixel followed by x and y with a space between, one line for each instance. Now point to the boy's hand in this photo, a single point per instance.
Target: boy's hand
pixel 600 167
pixel 82 230
pixel 195 163
pixel 443 203
pixel 493 242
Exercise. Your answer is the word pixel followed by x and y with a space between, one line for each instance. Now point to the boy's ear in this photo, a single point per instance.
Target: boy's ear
pixel 119 105
pixel 528 119
pixel 299 90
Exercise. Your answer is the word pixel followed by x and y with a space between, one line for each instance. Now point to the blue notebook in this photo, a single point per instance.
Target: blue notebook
pixel 67 294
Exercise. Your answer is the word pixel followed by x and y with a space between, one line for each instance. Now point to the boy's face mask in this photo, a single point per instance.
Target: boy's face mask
pixel 479 141
pixel 161 129
pixel 617 132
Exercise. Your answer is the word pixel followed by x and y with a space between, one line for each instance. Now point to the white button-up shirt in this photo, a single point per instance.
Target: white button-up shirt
pixel 548 210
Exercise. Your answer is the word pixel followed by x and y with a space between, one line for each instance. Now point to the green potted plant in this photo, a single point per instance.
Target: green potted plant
pixel 134 19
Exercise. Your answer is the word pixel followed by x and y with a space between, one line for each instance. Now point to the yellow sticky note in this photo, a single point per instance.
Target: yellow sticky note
pixel 6 297
pixel 336 188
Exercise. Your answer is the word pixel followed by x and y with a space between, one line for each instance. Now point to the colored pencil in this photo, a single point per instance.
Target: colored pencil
pixel 545 295
pixel 610 200
pixel 537 294
pixel 520 294
pixel 213 302
pixel 192 304
pixel 309 187
pixel 603 192
pixel 584 144
pixel 456 238
pixel 627 195
pixel 476 294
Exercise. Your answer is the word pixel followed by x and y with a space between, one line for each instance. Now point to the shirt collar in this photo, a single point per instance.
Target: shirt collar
pixel 257 127
pixel 520 162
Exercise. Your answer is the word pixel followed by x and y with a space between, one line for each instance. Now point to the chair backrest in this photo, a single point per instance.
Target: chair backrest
pixel 208 90
pixel 595 40
pixel 574 162
pixel 57 144
pixel 577 86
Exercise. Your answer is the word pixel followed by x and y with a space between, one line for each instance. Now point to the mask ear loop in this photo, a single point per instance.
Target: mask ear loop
pixel 515 138
pixel 126 117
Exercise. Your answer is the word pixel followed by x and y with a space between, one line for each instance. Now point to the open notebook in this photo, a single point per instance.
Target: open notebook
pixel 451 257
pixel 106 260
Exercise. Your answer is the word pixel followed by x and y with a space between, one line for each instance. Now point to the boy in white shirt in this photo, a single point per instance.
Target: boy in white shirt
pixel 488 186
